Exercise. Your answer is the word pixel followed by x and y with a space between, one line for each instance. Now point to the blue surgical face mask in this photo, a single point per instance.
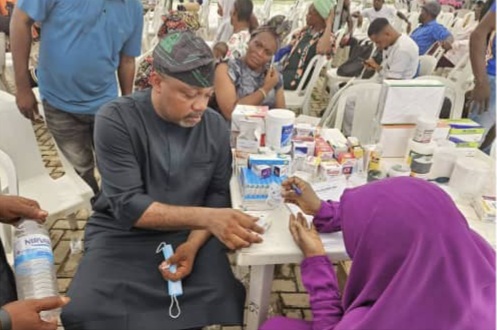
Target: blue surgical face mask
pixel 174 288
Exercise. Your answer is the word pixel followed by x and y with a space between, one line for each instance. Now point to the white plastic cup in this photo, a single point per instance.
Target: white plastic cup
pixel 424 129
pixel 444 160
pixel 279 130
pixel 469 176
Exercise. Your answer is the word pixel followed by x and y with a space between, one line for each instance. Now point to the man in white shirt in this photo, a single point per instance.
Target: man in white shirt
pixel 400 53
pixel 380 11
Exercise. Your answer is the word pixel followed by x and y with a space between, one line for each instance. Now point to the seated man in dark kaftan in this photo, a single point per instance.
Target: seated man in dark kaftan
pixel 165 162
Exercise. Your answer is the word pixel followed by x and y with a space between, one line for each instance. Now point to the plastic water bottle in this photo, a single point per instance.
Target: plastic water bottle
pixel 34 264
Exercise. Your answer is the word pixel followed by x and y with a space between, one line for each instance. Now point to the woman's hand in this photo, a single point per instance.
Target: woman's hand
pixel 305 236
pixel 271 80
pixel 307 200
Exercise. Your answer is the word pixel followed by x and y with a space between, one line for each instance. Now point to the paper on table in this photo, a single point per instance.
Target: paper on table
pixel 325 191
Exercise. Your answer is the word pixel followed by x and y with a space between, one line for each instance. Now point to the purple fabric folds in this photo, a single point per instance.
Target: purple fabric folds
pixel 416 264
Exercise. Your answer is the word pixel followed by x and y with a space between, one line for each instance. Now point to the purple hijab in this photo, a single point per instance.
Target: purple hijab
pixel 416 263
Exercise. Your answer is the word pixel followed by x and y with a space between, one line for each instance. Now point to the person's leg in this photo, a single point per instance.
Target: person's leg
pixel 5 24
pixel 73 134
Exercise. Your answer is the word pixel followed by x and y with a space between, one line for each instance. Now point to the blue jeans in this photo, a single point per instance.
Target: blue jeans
pixel 487 118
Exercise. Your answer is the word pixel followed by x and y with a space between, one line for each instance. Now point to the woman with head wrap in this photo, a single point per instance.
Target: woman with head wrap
pixel 416 263
pixel 315 38
pixel 250 79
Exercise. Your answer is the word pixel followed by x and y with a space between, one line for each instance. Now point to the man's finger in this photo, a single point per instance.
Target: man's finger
pixel 258 229
pixel 49 303
pixel 51 325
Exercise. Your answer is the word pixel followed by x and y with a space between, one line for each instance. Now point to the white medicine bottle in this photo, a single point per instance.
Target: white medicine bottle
pixel 34 264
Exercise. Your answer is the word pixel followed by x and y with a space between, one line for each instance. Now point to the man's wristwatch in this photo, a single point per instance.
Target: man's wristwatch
pixel 5 321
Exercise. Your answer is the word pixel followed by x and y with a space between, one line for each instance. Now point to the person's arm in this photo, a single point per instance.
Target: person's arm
pixel 254 23
pixel 130 49
pixel 126 74
pixel 318 275
pixel 20 43
pixel 130 204
pixel 405 19
pixel 280 99
pixel 350 25
pixel 327 219
pixel 442 35
pixel 477 52
pixel 224 91
pixel 359 16
pixel 323 46
pixel 320 280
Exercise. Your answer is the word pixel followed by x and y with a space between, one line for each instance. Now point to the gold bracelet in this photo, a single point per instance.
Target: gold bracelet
pixel 263 92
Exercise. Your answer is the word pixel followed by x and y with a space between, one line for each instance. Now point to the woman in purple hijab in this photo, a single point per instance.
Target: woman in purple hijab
pixel 416 263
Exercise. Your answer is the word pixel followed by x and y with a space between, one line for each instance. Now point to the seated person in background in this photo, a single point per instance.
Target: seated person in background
pixel 314 38
pixel 240 20
pixel 250 79
pixel 400 60
pixel 430 31
pixel 220 51
pixel 416 263
pixel 165 162
pixel 380 11
pixel 400 53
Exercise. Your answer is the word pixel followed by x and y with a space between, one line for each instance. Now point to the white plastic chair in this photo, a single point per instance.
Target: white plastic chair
pixel 366 96
pixel 462 74
pixel 453 93
pixel 10 186
pixel 301 97
pixel 427 64
pixel 61 197
pixel 203 32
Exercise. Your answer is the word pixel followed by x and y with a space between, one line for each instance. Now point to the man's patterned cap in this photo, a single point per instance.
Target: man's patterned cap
pixel 186 57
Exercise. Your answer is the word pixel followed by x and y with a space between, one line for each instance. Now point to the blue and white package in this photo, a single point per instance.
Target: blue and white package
pixel 175 288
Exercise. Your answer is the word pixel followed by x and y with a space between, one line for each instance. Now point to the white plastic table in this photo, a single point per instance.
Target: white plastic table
pixel 278 247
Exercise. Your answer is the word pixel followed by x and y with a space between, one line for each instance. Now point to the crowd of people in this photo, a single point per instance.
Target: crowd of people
pixel 164 157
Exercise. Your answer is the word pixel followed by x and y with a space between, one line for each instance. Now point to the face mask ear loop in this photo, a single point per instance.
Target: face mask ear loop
pixel 160 247
pixel 174 299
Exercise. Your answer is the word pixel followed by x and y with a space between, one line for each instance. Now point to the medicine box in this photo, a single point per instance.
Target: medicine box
pixel 403 101
pixel 243 114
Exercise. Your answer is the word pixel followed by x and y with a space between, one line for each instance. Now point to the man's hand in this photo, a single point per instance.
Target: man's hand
pixel 481 95
pixel 308 201
pixel 27 103
pixel 183 258
pixel 234 228
pixel 25 313
pixel 14 207
pixel 447 45
pixel 371 63
pixel 305 236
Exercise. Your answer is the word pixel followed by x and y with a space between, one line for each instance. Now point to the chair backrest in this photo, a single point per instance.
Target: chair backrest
pixel 364 98
pixel 453 93
pixel 7 164
pixel 18 139
pixel 462 74
pixel 315 65
pixel 427 64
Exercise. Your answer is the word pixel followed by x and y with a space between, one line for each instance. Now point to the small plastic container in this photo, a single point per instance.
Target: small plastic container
pixel 279 130
pixel 424 129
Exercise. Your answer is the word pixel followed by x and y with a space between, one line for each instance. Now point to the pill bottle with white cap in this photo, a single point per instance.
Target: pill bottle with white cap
pixel 424 129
